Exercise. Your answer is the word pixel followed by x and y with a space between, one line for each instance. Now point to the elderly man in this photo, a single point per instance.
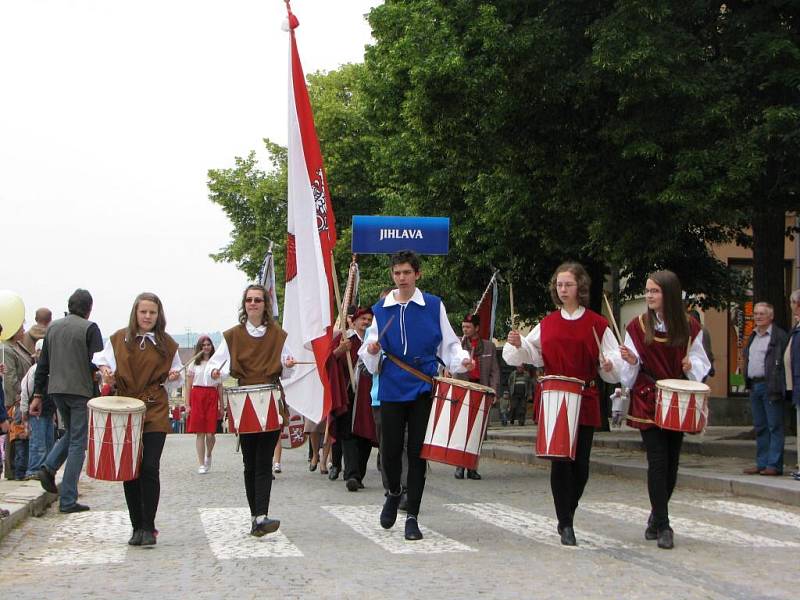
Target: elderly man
pixel 766 380
pixel 43 318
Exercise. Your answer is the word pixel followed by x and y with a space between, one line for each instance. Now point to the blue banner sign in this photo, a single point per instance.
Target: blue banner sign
pixel 385 235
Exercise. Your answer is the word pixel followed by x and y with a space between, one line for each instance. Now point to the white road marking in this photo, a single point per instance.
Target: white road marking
pixel 228 533
pixel 749 511
pixel 88 538
pixel 364 520
pixel 535 527
pixel 688 528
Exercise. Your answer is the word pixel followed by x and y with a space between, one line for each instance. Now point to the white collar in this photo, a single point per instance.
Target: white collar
pixel 574 316
pixel 417 298
pixel 353 332
pixel 767 332
pixel 255 331
pixel 149 335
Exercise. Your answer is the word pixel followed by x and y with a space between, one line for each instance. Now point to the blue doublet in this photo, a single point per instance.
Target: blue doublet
pixel 414 337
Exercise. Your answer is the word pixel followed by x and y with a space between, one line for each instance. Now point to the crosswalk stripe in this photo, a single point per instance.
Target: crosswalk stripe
pixel 228 534
pixel 688 528
pixel 89 538
pixel 364 520
pixel 535 527
pixel 749 511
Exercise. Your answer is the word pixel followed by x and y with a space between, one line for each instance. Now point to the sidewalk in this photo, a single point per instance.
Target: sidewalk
pixel 23 499
pixel 712 462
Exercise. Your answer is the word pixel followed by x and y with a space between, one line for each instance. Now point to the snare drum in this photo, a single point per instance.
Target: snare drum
pixel 681 405
pixel 115 438
pixel 457 423
pixel 559 408
pixel 254 408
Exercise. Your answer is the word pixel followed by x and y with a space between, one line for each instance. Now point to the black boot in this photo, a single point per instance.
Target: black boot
pixel 651 533
pixel 665 539
pixel 567 535
pixel 389 512
pixel 136 538
pixel 412 529
pixel 459 474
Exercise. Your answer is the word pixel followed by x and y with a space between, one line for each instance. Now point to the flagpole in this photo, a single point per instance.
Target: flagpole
pixel 486 291
pixel 342 319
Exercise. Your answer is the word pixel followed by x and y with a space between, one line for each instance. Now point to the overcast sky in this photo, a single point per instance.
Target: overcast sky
pixel 111 114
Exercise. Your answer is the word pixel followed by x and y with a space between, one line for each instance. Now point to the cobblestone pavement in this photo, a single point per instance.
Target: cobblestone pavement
pixel 493 538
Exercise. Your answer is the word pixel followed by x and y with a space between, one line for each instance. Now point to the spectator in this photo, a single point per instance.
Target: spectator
pixel 3 418
pixel 17 360
pixel 766 380
pixel 520 386
pixel 36 333
pixel 65 377
pixel 41 428
pixel 792 359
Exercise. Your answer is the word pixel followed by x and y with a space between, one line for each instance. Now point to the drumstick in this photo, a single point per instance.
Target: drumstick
pixel 599 346
pixel 612 319
pixel 511 302
pixel 385 329
pixel 190 361
pixel 305 362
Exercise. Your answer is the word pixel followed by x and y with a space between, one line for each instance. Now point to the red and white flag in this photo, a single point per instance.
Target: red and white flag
pixel 308 302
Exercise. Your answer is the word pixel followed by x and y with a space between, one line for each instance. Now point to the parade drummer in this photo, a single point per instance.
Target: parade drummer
pixel 143 361
pixel 412 329
pixel 255 352
pixel 564 343
pixel 663 343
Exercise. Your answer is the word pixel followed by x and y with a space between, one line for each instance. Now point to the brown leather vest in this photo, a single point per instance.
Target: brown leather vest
pixel 140 374
pixel 255 360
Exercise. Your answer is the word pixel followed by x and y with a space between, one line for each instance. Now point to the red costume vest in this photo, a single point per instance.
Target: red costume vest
pixel 656 361
pixel 569 349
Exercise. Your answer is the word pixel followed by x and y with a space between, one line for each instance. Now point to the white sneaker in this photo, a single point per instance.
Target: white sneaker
pixel 207 463
pixel 276 468
pixel 202 469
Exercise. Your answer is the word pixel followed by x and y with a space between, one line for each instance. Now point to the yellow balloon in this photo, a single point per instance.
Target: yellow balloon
pixel 12 313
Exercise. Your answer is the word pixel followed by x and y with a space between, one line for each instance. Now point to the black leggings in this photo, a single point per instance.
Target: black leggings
pixel 142 494
pixel 663 453
pixel 394 418
pixel 257 450
pixel 568 478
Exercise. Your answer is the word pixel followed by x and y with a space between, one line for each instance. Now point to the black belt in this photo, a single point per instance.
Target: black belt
pixel 758 379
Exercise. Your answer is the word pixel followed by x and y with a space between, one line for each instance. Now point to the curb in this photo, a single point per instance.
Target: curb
pixel 26 499
pixel 774 489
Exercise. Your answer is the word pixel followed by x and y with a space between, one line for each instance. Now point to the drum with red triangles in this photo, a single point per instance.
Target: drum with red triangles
pixel 682 405
pixel 254 408
pixel 559 409
pixel 457 423
pixel 115 438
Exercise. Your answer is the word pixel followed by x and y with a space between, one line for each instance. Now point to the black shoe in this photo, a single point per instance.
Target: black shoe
pixel 312 467
pixel 403 502
pixel 136 538
pixel 74 508
pixel 651 533
pixel 459 473
pixel 352 484
pixel 568 536
pixel 48 480
pixel 389 511
pixel 412 529
pixel 665 539
pixel 148 538
pixel 266 526
pixel 472 474
pixel 333 475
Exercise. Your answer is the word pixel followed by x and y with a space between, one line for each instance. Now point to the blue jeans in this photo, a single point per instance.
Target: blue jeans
pixel 768 423
pixel 41 440
pixel 20 458
pixel 71 447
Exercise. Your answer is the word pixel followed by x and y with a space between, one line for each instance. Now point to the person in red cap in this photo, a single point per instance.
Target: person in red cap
pixel 354 424
pixel 486 370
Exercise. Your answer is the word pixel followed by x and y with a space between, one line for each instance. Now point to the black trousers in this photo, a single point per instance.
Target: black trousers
pixel 257 450
pixel 356 451
pixel 568 478
pixel 663 453
pixel 142 494
pixel 395 417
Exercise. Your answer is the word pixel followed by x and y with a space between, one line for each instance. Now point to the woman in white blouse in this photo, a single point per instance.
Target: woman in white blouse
pixel 205 403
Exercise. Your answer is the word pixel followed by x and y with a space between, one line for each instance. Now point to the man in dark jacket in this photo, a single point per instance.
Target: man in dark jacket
pixel 766 379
